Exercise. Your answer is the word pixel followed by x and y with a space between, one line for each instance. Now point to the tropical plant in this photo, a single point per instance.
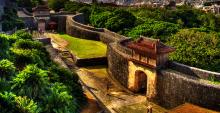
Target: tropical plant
pixel 7 69
pixel 10 103
pixel 28 44
pixel 23 57
pixel 70 80
pixel 56 4
pixel 31 82
pixel 4 46
pixel 156 29
pixel 59 100
pixel 195 48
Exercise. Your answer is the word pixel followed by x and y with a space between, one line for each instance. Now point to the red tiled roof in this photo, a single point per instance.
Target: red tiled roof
pixel 149 46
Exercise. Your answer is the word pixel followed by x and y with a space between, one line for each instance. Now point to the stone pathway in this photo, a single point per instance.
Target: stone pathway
pixel 113 98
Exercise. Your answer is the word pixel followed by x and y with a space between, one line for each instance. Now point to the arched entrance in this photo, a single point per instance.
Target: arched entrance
pixel 41 25
pixel 140 82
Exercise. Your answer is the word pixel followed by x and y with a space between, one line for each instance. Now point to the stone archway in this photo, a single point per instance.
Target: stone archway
pixel 150 74
pixel 41 25
pixel 140 82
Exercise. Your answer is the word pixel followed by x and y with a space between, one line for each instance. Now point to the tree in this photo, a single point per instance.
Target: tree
pixel 119 20
pixel 22 34
pixel 10 103
pixel 70 80
pixel 28 44
pixel 155 29
pixel 31 82
pixel 195 48
pixel 7 69
pixel 59 100
pixel 56 4
pixel 29 3
pixel 4 46
pixel 23 57
pixel 99 20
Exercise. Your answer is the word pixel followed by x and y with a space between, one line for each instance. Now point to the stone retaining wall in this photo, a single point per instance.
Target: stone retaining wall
pixel 91 61
pixel 175 88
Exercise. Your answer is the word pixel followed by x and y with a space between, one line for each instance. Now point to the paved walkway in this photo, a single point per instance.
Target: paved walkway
pixel 110 96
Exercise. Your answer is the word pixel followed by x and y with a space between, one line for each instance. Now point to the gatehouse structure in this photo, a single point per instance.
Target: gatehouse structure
pixel 41 14
pixel 147 56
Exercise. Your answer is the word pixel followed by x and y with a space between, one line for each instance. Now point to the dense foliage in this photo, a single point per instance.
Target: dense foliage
pixel 29 3
pixel 154 29
pixel 31 83
pixel 10 20
pixel 196 48
pixel 56 4
pixel 174 27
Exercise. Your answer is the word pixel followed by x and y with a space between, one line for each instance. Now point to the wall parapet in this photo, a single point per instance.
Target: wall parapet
pixel 76 27
pixel 193 71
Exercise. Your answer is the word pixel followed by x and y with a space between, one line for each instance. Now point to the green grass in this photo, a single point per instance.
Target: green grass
pixel 83 48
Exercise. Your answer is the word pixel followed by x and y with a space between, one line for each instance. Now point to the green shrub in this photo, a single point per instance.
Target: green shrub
pixel 70 79
pixel 7 69
pixel 59 100
pixel 31 82
pixel 4 46
pixel 23 57
pixel 99 20
pixel 195 48
pixel 10 103
pixel 28 44
pixel 23 34
pixel 156 29
pixel 56 4
pixel 119 20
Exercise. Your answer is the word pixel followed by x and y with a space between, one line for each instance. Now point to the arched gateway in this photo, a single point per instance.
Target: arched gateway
pixel 140 82
pixel 148 55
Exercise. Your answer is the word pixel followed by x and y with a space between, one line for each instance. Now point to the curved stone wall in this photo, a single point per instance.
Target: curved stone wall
pixel 75 27
pixel 117 65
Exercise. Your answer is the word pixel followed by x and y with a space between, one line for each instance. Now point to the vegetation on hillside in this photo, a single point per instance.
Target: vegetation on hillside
pixel 10 20
pixel 29 4
pixel 31 83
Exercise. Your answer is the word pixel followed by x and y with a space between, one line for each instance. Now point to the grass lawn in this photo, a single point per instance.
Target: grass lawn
pixel 82 48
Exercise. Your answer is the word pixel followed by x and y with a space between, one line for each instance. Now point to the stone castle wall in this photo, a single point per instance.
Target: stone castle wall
pixel 75 27
pixel 173 87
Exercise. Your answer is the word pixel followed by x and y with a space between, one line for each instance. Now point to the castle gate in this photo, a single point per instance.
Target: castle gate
pixel 140 84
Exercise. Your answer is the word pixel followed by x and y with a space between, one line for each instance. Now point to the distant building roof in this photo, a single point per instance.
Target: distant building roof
pixel 41 8
pixel 147 46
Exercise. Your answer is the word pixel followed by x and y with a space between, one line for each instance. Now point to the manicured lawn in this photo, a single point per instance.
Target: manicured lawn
pixel 82 48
